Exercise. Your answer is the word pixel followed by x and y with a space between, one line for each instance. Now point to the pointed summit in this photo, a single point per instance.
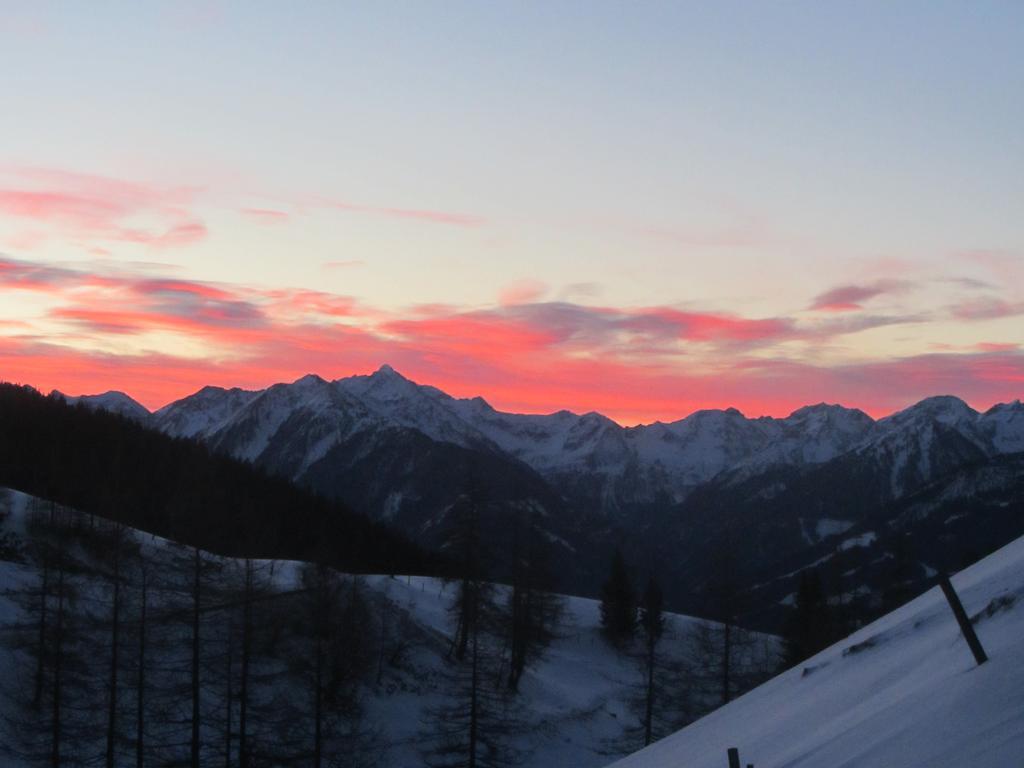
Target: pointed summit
pixel 388 375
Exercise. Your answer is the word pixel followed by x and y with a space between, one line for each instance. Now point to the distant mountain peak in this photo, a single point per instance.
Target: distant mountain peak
pixel 943 407
pixel 310 378
pixel 387 372
pixel 113 400
pixel 817 407
pixel 944 401
pixel 1013 406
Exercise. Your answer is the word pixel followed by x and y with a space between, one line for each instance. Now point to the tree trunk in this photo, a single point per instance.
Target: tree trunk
pixel 115 632
pixel 243 693
pixel 195 660
pixel 726 658
pixel 140 683
pixel 58 659
pixel 41 658
pixel 649 714
pixel 320 623
pixel 318 702
pixel 473 704
pixel 228 702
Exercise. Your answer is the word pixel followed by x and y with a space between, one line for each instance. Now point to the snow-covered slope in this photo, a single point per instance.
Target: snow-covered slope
pixel 203 413
pixel 903 692
pixel 1003 425
pixel 627 465
pixel 115 402
pixel 575 703
pixel 289 427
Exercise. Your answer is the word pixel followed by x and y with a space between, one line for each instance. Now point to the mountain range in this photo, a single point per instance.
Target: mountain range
pixel 715 492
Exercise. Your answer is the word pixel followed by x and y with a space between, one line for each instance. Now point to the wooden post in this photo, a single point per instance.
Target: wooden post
pixel 961 617
pixel 734 757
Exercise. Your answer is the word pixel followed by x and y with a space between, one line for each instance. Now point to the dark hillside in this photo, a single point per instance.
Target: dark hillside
pixel 110 466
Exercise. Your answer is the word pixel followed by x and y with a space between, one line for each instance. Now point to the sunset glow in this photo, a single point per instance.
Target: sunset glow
pixel 644 240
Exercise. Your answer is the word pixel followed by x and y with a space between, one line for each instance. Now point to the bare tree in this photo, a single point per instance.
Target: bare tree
pixel 475 726
pixel 533 613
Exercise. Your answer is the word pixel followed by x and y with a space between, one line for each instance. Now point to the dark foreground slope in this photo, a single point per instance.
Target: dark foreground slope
pixel 113 467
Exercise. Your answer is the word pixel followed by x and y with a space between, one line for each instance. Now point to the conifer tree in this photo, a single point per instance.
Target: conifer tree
pixel 331 652
pixel 533 611
pixel 475 726
pixel 652 623
pixel 809 628
pixel 618 603
pixel 50 718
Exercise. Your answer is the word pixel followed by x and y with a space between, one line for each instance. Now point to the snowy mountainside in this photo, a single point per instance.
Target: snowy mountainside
pixel 1004 426
pixel 113 401
pixel 902 692
pixel 892 551
pixel 774 490
pixel 575 703
pixel 587 455
pixel 673 458
pixel 629 464
pixel 205 411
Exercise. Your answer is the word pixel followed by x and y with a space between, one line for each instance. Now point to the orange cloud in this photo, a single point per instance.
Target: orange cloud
pixel 633 364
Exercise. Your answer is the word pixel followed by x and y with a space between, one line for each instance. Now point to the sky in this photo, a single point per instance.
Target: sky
pixel 642 209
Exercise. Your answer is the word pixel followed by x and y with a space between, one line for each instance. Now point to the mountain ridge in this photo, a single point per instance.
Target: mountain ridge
pixel 623 466
pixel 672 495
pixel 388 369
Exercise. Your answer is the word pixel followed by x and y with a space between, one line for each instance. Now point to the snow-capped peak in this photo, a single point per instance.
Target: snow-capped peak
pixel 946 409
pixel 113 401
pixel 309 380
pixel 304 419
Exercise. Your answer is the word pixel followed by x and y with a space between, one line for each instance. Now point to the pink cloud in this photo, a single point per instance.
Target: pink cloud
pixel 432 216
pixel 987 308
pixel 848 298
pixel 990 346
pixel 522 292
pixel 709 326
pixel 634 364
pixel 266 215
pixel 94 209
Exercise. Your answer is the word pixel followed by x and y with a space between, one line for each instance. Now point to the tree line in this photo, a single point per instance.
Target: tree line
pixel 713 661
pixel 110 466
pixel 147 652
pixel 133 650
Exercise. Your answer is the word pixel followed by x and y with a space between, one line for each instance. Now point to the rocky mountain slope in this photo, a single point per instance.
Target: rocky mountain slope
pixel 675 496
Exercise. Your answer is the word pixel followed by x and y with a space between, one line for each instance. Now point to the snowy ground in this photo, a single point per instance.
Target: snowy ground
pixel 574 700
pixel 903 692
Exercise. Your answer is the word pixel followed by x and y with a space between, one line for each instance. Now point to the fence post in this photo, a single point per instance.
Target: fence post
pixel 961 617
pixel 734 757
